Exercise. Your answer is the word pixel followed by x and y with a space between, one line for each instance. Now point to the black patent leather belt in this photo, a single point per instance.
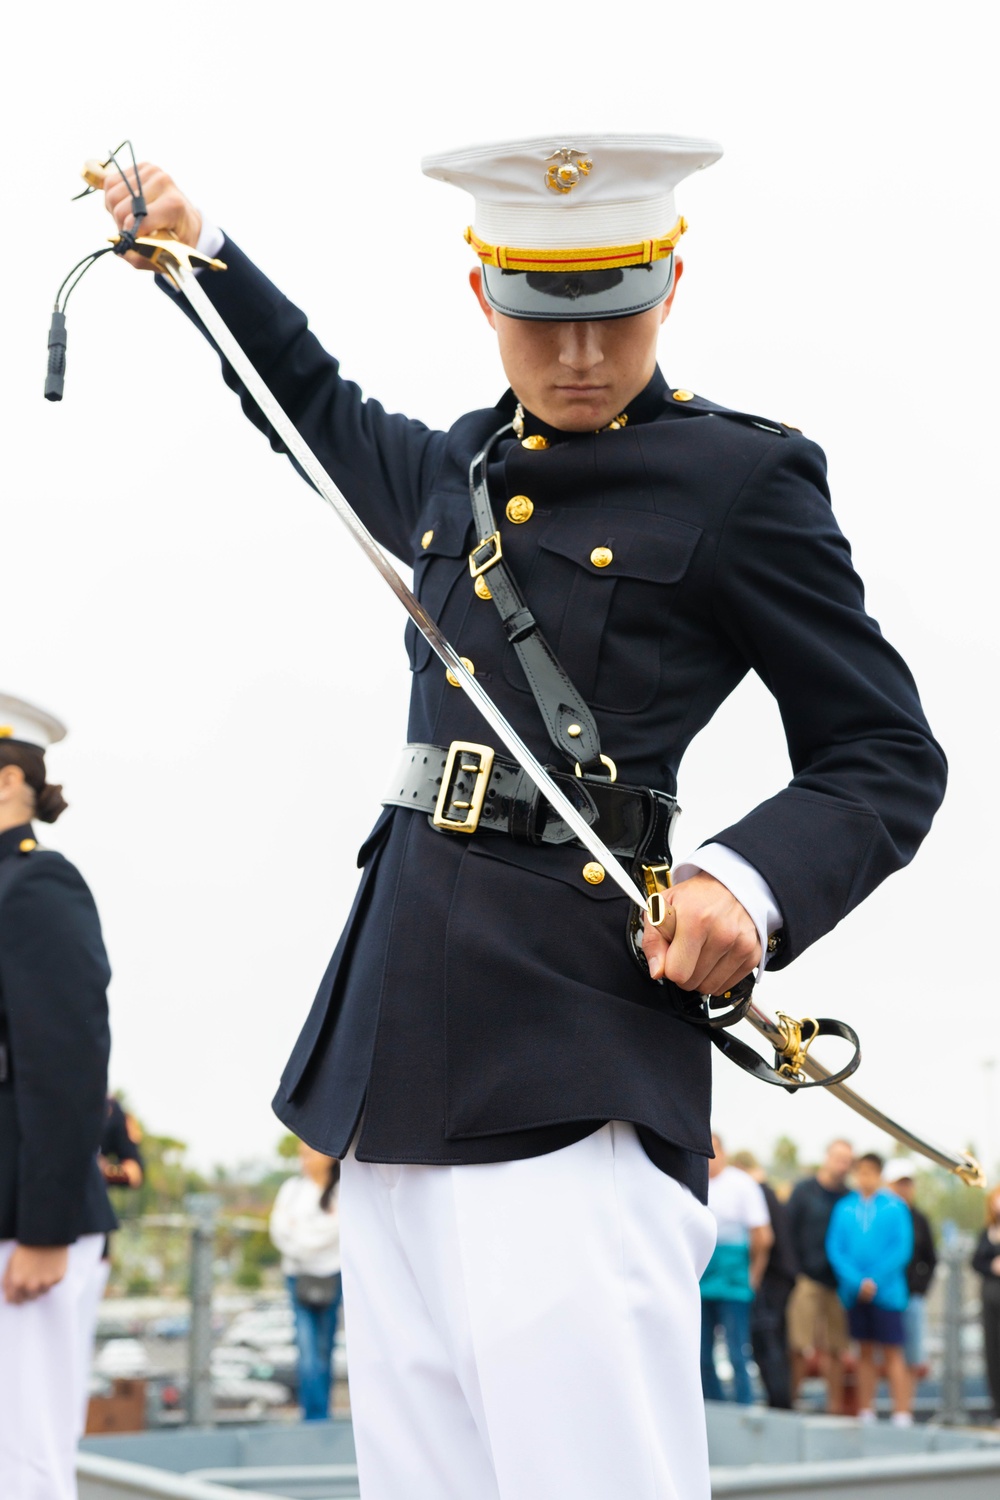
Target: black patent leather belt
pixel 467 788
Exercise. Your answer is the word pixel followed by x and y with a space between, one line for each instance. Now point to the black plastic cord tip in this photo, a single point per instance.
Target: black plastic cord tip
pixel 57 358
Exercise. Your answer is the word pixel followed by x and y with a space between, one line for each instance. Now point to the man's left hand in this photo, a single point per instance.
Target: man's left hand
pixel 33 1270
pixel 715 944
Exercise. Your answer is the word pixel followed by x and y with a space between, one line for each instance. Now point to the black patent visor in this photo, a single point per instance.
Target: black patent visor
pixel 578 296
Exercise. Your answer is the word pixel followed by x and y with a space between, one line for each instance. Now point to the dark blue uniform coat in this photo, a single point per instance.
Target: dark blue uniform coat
pixel 54 1029
pixel 481 1004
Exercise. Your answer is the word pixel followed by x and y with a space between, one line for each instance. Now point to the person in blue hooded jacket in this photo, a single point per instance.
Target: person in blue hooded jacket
pixel 869 1244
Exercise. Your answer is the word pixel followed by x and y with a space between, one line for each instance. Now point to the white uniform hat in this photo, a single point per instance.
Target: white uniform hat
pixel 898 1168
pixel 27 724
pixel 577 227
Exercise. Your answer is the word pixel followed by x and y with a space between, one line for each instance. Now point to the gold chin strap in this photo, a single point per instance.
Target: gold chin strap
pixel 587 258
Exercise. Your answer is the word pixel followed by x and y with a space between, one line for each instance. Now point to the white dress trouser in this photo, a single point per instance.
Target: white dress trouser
pixel 45 1349
pixel 526 1330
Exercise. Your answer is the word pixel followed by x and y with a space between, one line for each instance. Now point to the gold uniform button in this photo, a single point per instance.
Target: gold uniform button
pixel 467 664
pixel 593 873
pixel 683 395
pixel 482 588
pixel 426 539
pixel 519 509
pixel 26 846
pixel 536 441
pixel 601 556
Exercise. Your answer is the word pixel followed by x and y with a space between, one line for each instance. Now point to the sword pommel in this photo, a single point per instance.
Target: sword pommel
pixel 94 172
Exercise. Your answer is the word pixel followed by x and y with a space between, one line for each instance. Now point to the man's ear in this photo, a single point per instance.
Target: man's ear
pixel 476 283
pixel 669 301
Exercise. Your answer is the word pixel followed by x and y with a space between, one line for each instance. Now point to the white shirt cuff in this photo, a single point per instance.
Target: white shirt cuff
pixel 211 239
pixel 746 884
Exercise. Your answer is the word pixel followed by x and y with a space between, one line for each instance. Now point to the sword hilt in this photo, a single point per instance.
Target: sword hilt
pixel 161 245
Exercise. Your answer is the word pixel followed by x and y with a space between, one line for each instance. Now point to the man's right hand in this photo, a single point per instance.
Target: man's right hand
pixel 169 210
pixel 33 1270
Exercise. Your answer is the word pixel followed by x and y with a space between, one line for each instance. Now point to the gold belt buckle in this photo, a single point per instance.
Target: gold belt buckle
pixel 460 762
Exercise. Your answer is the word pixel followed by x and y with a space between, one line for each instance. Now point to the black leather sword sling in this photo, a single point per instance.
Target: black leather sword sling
pixel 573 731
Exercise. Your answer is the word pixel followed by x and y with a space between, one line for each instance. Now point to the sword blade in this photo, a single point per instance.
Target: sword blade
pixel 959 1162
pixel 187 284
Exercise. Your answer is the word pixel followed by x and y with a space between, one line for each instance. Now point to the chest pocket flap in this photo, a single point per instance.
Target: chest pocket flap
pixel 440 547
pixel 656 549
pixel 616 599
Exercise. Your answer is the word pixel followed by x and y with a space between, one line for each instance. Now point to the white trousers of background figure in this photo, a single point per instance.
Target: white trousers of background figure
pixel 45 1348
pixel 526 1330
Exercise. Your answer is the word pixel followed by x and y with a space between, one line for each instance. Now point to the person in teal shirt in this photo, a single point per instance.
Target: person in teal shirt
pixel 733 1274
pixel 869 1244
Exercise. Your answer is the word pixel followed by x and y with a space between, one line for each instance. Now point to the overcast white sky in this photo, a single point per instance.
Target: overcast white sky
pixel 230 667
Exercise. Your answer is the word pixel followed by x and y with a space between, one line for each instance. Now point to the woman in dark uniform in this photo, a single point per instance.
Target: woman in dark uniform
pixel 54 1044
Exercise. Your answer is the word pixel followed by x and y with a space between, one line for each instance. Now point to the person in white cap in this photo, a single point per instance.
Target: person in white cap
pixel 54 1043
pixel 522 1113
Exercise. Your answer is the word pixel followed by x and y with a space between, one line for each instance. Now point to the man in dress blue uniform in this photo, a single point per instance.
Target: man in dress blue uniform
pixel 523 1112
pixel 54 1042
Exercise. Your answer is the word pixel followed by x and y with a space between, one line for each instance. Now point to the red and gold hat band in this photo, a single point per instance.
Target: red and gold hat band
pixel 590 258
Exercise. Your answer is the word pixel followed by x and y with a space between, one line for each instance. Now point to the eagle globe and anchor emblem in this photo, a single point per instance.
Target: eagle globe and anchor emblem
pixel 569 166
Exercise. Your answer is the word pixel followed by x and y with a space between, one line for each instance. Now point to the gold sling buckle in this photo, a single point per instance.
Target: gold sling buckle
pixel 656 879
pixel 485 555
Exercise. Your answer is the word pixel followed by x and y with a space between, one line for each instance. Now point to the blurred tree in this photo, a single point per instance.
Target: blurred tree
pixel 785 1159
pixel 166 1182
pixel 256 1254
pixel 944 1196
pixel 288 1147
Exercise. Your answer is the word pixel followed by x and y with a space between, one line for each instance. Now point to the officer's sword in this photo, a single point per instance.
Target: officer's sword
pixel 173 260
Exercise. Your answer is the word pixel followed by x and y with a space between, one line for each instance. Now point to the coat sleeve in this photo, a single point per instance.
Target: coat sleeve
pixel 984 1255
pixel 383 462
pixel 868 775
pixel 54 973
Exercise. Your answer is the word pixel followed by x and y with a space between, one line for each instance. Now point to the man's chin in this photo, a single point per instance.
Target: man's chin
pixel 578 413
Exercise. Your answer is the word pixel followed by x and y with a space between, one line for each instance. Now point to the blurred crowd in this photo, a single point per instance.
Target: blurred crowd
pixel 829 1278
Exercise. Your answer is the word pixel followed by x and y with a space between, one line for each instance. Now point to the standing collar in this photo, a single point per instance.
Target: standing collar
pixel 645 407
pixel 12 838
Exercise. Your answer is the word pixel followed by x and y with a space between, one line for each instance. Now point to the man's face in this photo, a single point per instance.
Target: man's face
pixel 839 1160
pixel 577 376
pixel 717 1163
pixel 867 1178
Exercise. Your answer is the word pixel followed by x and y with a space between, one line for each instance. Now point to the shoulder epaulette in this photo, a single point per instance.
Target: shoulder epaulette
pixel 685 403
